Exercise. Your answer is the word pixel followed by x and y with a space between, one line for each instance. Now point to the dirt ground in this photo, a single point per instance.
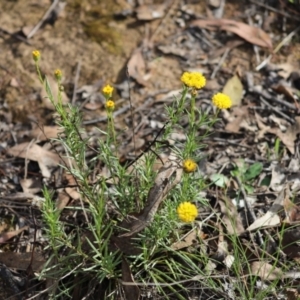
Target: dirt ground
pixel 93 42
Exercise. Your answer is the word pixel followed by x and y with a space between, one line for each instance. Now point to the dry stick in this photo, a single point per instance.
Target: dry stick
pixel 162 185
pixel 268 96
pixel 78 68
pixel 282 254
pixel 44 18
pixel 277 110
pixel 195 278
pixel 280 12
pixel 279 46
pixel 219 12
pixel 249 209
pixel 255 48
pixel 226 142
pixel 14 35
pixel 220 63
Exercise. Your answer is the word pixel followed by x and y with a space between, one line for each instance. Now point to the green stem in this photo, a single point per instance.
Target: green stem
pixel 37 67
pixel 111 128
pixel 193 104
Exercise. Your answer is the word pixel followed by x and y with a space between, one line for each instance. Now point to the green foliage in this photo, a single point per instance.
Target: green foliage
pixel 88 252
pixel 87 255
pixel 247 174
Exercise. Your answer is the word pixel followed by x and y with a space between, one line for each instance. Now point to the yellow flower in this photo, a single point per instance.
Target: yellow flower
pixel 187 211
pixel 221 101
pixel 193 79
pixel 189 166
pixel 110 105
pixel 108 90
pixel 58 74
pixel 36 55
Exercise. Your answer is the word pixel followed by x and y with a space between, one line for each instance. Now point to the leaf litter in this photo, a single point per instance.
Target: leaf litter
pixel 262 128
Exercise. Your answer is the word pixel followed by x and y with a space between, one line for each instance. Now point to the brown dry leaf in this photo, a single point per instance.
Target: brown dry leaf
pixel 45 133
pixel 289 137
pixel 231 218
pixel 251 34
pixel 265 270
pixel 10 234
pixel 92 105
pixel 4 226
pixel 292 211
pixel 150 12
pixel 239 114
pixel 31 185
pixel 21 261
pixel 131 290
pixel 292 294
pixel 62 200
pixel 188 240
pixel 45 158
pixel 287 67
pixel 73 193
pixel 234 89
pixel 137 67
pixel 263 128
pixel 284 89
pixel 278 179
pixel 269 219
pixel 289 242
pixel 231 44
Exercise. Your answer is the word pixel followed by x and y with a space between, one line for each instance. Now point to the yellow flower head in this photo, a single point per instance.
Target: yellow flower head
pixel 221 101
pixel 189 166
pixel 193 79
pixel 187 211
pixel 110 105
pixel 36 55
pixel 58 74
pixel 108 90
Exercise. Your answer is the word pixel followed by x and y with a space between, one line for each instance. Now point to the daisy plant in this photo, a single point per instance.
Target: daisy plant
pixel 89 254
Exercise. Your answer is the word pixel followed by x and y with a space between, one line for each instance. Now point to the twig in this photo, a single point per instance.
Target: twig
pixel 224 142
pixel 249 208
pixel 268 96
pixel 220 63
pixel 277 110
pixel 280 12
pixel 278 47
pixel 195 278
pixel 219 12
pixel 286 40
pixel 15 35
pixel 44 18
